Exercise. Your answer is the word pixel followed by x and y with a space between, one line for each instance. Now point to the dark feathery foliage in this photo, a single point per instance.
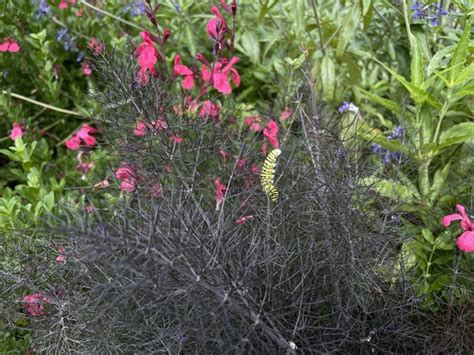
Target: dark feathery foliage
pixel 317 272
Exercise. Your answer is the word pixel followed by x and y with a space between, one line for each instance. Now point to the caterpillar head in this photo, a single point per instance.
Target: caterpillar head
pixel 277 152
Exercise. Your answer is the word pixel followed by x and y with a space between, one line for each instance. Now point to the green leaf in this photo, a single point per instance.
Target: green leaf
pixel 439 180
pixel 465 75
pixel 428 235
pixel 458 133
pixel 463 92
pixel 328 77
pixel 444 242
pixel 459 55
pixel 435 62
pixel 419 95
pixel 365 5
pixel 390 189
pixel 417 69
pixel 251 46
pixel 392 106
pixel 348 30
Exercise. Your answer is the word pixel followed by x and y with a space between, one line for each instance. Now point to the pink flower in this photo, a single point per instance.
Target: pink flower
pixel 244 219
pixel 147 58
pixel 156 190
pixel 83 167
pixel 127 176
pixel 34 304
pixel 271 133
pixel 255 169
pixel 10 45
pixel 182 70
pixel 254 123
pixel 89 208
pixel 84 134
pixel 176 139
pixel 17 131
pixel 140 129
pixel 61 258
pixel 86 69
pixel 286 114
pixel 465 241
pixel 63 4
pixel 240 163
pixel 96 46
pixel 219 191
pixel 209 110
pixel 216 27
pixel 224 154
pixel 220 75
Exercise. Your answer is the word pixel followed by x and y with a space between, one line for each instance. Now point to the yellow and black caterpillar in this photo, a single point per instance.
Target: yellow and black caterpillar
pixel 267 176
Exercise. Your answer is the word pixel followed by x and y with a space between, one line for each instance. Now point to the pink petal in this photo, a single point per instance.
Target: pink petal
pixel 465 242
pixel 4 46
pixel 14 47
pixel 124 172
pixel 451 217
pixel 128 185
pixel 74 143
pixel 188 82
pixel 243 220
pixel 180 69
pixel 205 73
pixel 17 131
pixel 221 83
pixel 212 28
pixel 147 58
pixel 63 4
pixel 140 129
pixel 466 223
pixel 235 77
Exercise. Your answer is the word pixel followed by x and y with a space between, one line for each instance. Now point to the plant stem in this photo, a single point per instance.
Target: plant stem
pixel 42 104
pixel 106 13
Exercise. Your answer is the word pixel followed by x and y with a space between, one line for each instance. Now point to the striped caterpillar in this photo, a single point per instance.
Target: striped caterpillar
pixel 267 176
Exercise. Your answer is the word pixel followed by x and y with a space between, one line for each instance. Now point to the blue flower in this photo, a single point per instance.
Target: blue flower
pixel 348 106
pixel 43 8
pixel 396 133
pixel 136 8
pixel 377 148
pixel 431 12
pixel 69 43
pixel 61 33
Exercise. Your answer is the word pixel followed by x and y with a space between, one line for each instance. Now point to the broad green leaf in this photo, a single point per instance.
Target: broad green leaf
pixel 465 75
pixel 417 69
pixel 459 133
pixel 368 16
pixel 348 30
pixel 419 95
pixel 444 242
pixel 390 189
pixel 251 46
pixel 328 77
pixel 464 91
pixel 365 5
pixel 388 104
pixel 428 235
pixel 439 181
pixel 459 55
pixel 435 62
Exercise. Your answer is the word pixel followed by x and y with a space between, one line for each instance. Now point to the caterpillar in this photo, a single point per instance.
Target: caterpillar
pixel 267 176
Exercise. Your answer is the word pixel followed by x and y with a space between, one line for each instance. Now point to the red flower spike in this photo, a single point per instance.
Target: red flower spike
pixel 166 35
pixel 148 56
pixel 182 70
pixel 465 241
pixel 271 133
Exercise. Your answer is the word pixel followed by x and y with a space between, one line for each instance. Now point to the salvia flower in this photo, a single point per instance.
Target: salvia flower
pixel 9 45
pixel 209 110
pixel 243 219
pixel 216 27
pixel 84 135
pixel 69 42
pixel 135 8
pixel 431 12
pixel 147 58
pixel 17 131
pixel 43 9
pixel 465 241
pixel 219 191
pixel 96 46
pixel 271 133
pixel 34 304
pixel 220 75
pixel 128 177
pixel 182 70
pixel 348 106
